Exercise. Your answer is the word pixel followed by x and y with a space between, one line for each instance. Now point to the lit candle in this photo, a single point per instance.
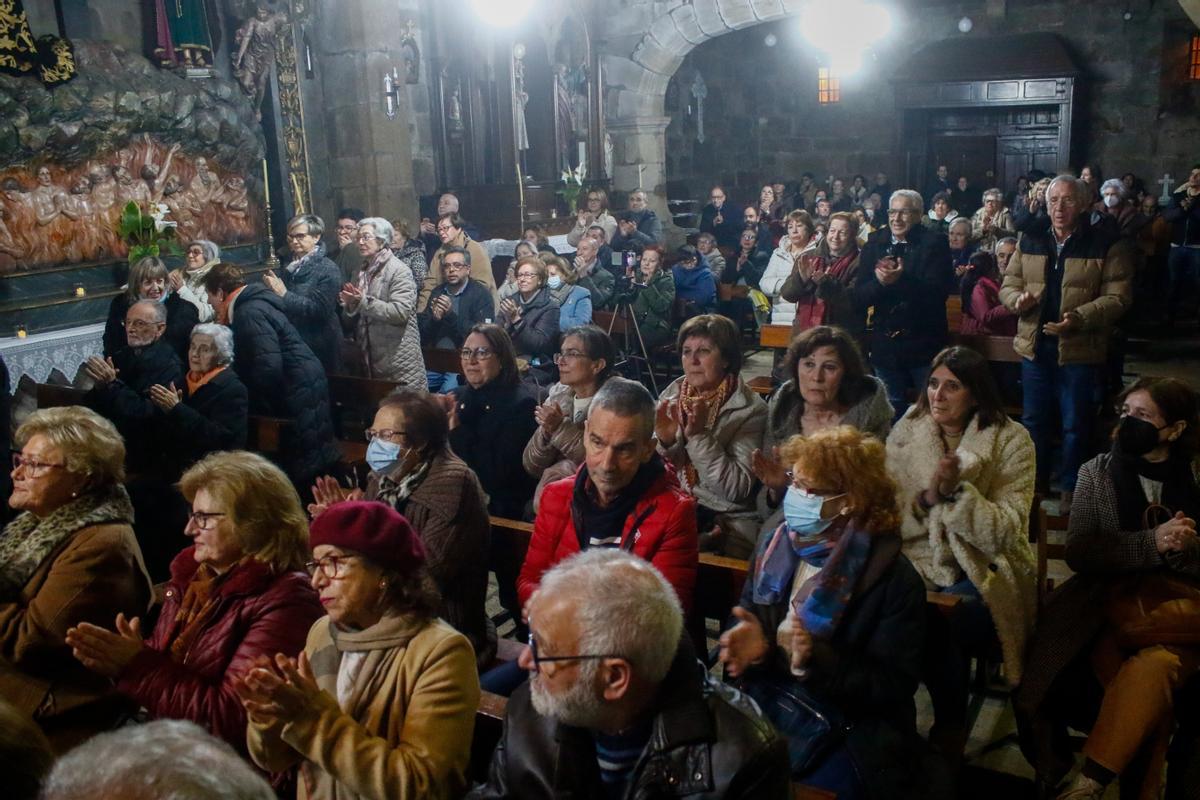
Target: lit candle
pixel 640 168
pixel 21 332
pixel 266 185
pixel 80 291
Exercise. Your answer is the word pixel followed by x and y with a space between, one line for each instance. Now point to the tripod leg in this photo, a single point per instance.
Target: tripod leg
pixel 645 352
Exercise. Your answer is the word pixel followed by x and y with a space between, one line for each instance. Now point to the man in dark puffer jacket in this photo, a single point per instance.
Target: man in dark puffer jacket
pixel 281 373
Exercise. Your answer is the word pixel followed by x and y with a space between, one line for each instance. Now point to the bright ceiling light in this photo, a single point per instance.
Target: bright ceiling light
pixel 501 13
pixel 843 30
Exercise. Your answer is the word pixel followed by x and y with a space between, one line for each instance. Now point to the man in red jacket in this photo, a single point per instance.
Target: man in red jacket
pixel 623 496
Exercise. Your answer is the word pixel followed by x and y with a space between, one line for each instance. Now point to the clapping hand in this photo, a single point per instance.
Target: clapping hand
pixel 107 653
pixel 946 476
pixel 440 307
pixel 695 421
pixel 274 283
pixel 888 270
pixel 1175 534
pixel 769 469
pixel 1069 322
pixel 449 404
pixel 666 427
pixel 101 370
pixel 350 296
pixel 744 644
pixel 175 279
pixel 164 397
pixel 326 492
pixel 1025 302
pixel 278 691
pixel 549 416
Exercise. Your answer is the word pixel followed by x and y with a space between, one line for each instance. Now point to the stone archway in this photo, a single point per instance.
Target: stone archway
pixel 645 46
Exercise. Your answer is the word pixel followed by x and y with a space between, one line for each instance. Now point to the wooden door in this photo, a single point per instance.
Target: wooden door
pixel 1017 155
pixel 970 155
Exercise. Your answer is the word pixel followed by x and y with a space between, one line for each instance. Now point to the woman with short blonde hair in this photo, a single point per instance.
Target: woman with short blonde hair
pixel 69 556
pixel 237 594
pixel 149 280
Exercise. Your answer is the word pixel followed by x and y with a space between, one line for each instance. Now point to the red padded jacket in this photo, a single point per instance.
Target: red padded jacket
pixel 257 613
pixel 666 535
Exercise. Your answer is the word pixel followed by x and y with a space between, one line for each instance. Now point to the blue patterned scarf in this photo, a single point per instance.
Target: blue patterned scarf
pixel 841 554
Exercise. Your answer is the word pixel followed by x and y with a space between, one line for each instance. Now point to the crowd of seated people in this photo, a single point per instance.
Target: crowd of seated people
pixel 883 470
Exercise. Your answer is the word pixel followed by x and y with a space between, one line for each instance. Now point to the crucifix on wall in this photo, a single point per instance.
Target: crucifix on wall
pixel 1166 184
pixel 699 91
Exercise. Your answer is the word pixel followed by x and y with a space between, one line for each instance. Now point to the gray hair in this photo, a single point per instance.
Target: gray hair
pixel 383 229
pixel 316 225
pixel 1115 183
pixel 161 760
pixel 626 398
pixel 160 309
pixel 913 197
pixel 222 338
pixel 960 221
pixel 1083 192
pixel 211 251
pixel 994 192
pixel 623 606
pixel 462 251
pixel 1007 240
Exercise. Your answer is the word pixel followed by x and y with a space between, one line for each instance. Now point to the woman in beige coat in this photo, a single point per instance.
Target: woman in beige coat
pixel 709 424
pixel 384 303
pixel 966 472
pixel 381 703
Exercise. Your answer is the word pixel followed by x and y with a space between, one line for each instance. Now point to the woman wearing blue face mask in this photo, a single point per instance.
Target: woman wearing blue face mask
pixel 1131 534
pixel 414 470
pixel 827 637
pixel 574 302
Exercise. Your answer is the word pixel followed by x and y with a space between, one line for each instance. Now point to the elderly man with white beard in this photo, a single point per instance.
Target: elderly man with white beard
pixel 609 711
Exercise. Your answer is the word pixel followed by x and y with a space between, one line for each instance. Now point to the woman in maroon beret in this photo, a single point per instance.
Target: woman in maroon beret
pixel 382 701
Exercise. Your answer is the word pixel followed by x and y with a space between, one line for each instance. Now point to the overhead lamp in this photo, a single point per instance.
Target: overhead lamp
pixel 501 13
pixel 844 30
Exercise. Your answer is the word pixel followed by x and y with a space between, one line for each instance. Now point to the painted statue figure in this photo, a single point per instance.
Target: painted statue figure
pixel 256 41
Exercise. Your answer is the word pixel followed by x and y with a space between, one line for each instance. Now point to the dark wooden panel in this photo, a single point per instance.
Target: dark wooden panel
pixel 1003 90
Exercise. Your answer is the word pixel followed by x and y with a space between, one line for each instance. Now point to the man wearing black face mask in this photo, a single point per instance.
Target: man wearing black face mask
pixel 1134 518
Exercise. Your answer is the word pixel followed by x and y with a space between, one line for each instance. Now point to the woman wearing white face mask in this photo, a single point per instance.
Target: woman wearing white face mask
pixel 1114 207
pixel 833 617
pixel 414 470
pixel 574 302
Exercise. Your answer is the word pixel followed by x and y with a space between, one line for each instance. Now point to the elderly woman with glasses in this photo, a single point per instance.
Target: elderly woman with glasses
pixel 309 290
pixel 201 256
pixel 148 280
pixel 69 557
pixel 383 301
pixel 381 702
pixel 585 361
pixel 530 317
pixel 992 222
pixel 414 471
pixel 237 594
pixel 574 301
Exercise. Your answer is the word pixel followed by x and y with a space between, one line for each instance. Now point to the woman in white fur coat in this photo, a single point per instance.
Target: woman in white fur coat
pixel 966 474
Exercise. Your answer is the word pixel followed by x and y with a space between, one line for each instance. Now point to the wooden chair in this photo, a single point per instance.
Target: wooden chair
pixel 763 385
pixel 954 311
pixel 1046 550
pixel 489 727
pixel 264 435
pixel 779 336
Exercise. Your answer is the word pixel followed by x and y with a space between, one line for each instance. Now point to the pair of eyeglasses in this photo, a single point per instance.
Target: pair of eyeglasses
pixel 139 325
pixel 386 434
pixel 900 212
pixel 33 467
pixel 366 237
pixel 539 659
pixel 204 520
pixel 295 237
pixel 478 354
pixel 454 264
pixel 570 355
pixel 526 275
pixel 332 567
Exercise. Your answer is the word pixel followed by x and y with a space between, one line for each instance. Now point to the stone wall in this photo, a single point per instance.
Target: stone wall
pixel 762 118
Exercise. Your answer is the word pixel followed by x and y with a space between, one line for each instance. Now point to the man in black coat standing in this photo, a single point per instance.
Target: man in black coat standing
pixel 309 289
pixel 283 377
pixel 912 276
pixel 721 219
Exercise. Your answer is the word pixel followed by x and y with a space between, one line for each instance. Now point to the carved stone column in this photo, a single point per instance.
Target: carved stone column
pixel 642 142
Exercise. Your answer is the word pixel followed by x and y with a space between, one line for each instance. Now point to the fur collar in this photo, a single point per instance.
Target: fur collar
pixel 28 540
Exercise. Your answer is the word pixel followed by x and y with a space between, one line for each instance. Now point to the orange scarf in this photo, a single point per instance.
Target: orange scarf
pixel 223 316
pixel 686 406
pixel 197 379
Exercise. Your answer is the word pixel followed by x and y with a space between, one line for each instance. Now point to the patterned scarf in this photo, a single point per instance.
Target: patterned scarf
pixel 194 610
pixel 316 254
pixel 841 555
pixel 398 485
pixel 686 407
pixel 28 539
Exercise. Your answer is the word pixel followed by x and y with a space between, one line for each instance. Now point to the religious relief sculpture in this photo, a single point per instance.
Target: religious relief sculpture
pixel 255 41
pixel 181 34
pixel 411 52
pixel 52 215
pixel 454 113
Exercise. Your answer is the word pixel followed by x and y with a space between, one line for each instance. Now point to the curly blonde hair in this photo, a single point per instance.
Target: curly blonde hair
pixel 259 500
pixel 848 460
pixel 90 444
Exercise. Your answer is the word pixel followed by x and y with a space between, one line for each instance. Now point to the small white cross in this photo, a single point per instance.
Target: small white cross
pixel 1166 184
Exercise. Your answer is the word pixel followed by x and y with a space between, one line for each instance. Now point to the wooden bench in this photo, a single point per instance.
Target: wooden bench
pixel 50 395
pixel 762 385
pixel 354 401
pixel 1046 550
pixel 439 359
pixel 775 335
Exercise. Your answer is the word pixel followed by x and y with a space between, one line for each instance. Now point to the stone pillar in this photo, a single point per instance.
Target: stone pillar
pixel 369 157
pixel 643 142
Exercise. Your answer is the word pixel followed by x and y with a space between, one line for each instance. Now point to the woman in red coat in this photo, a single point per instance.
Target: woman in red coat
pixel 238 593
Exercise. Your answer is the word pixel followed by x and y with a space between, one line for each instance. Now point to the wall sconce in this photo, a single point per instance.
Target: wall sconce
pixel 21 333
pixel 80 291
pixel 391 92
